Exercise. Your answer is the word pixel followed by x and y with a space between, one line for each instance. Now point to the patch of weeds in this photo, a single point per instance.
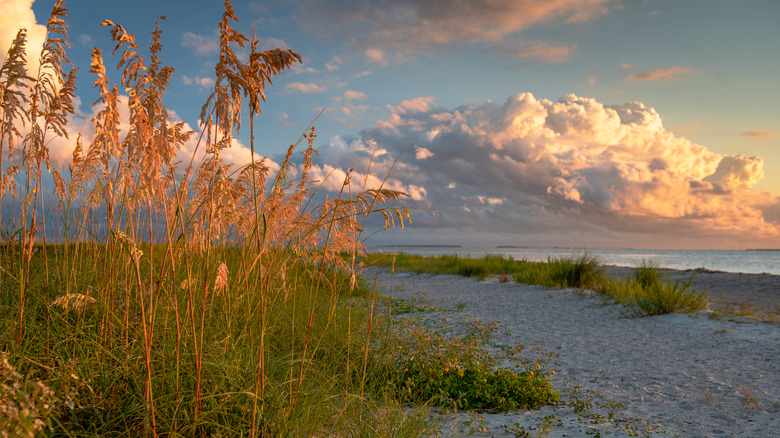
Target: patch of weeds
pixel 460 307
pixel 406 307
pixel 749 399
pixel 424 366
pixel 578 399
pixel 540 430
pixel 709 396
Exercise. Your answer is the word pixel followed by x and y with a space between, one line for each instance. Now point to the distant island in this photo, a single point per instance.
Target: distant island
pixel 420 246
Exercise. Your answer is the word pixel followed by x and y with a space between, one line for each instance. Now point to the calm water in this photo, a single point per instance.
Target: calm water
pixel 754 262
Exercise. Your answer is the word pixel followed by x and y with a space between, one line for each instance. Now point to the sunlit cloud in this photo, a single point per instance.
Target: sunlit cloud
pixel 363 73
pixel 300 87
pixel 660 75
pixel 543 50
pixel 422 153
pixel 17 14
pixel 334 63
pixel 286 120
pixel 202 82
pixel 412 26
pixel 573 164
pixel 355 95
pixel 201 44
pixel 272 43
pixel 758 133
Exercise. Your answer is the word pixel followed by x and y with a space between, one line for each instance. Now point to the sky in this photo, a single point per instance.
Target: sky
pixel 589 123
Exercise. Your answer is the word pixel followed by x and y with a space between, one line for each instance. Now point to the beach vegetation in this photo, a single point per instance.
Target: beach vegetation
pixel 582 272
pixel 456 371
pixel 143 296
pixel 148 292
pixel 645 293
pixel 451 264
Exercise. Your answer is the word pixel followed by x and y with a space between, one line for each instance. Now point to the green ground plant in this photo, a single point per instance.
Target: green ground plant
pixel 446 264
pixel 457 372
pixel 646 292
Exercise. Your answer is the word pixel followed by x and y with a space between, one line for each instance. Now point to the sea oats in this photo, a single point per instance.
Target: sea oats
pixel 220 283
pixel 74 301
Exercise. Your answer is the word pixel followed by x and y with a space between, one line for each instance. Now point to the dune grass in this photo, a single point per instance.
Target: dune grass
pixel 150 293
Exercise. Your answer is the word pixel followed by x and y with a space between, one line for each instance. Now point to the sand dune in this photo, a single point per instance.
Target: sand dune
pixel 673 375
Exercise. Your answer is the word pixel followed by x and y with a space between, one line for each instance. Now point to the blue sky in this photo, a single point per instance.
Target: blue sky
pixel 542 122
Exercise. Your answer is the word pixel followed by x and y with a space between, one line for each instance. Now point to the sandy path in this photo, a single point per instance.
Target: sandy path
pixel 680 375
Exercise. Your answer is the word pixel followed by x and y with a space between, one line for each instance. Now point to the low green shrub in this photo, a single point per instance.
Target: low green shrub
pixel 425 366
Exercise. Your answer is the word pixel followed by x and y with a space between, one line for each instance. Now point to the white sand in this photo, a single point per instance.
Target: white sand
pixel 679 375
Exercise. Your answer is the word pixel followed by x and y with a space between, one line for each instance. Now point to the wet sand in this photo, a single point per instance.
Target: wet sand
pixel 704 374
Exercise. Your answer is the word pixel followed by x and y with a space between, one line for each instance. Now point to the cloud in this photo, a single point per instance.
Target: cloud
pixel 412 26
pixel 355 95
pixel 199 81
pixel 17 14
pixel 544 50
pixel 285 120
pixel 334 63
pixel 660 75
pixel 576 164
pixel 362 73
pixel 300 87
pixel 201 44
pixel 422 153
pixel 272 43
pixel 758 133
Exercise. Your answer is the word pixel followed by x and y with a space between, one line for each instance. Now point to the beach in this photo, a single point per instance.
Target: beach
pixel 707 374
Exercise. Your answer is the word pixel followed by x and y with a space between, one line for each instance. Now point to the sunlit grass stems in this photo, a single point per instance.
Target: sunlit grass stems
pixel 173 299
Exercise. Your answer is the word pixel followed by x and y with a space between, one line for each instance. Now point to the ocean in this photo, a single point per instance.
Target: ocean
pixel 747 261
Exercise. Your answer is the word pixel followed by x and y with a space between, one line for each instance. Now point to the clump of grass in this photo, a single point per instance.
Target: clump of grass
pixel 582 272
pixel 670 297
pixel 647 274
pixel 648 293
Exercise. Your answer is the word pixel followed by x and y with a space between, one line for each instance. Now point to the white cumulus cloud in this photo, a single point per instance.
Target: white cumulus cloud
pixel 573 164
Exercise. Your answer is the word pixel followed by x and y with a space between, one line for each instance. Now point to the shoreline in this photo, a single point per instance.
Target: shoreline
pixel 665 375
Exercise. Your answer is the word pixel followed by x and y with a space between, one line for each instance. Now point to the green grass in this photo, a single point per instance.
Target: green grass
pixel 447 264
pixel 646 292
